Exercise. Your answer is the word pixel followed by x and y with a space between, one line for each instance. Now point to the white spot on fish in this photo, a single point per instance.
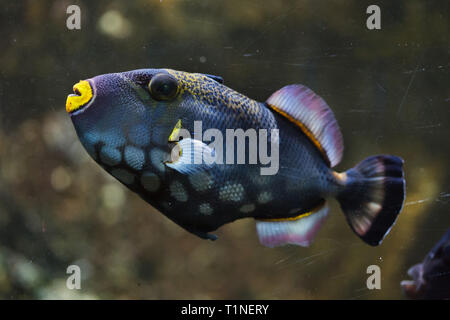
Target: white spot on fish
pixel 89 140
pixel 113 138
pixel 157 157
pixel 150 181
pixel 232 192
pixel 123 175
pixel 110 156
pixel 134 157
pixel 260 180
pixel 91 137
pixel 247 208
pixel 178 192
pixel 205 208
pixel 264 197
pixel 201 181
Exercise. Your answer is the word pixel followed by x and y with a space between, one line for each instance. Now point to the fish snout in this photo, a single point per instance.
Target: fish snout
pixel 83 95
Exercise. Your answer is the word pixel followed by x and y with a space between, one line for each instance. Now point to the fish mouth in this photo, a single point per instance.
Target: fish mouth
pixel 82 96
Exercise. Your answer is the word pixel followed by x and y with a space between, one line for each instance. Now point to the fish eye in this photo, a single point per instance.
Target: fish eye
pixel 163 87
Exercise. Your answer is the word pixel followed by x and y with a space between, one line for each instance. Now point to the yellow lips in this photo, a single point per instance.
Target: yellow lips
pixel 83 94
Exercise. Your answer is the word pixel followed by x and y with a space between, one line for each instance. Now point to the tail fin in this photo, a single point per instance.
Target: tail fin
pixel 373 196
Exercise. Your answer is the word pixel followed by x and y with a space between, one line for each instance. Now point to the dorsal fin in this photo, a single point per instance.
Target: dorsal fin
pixel 218 79
pixel 311 113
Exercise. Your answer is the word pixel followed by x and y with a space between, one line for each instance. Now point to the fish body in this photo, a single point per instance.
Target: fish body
pixel 431 278
pixel 131 123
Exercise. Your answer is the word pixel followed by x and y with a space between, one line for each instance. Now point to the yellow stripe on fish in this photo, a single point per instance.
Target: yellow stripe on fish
pixel 304 129
pixel 300 216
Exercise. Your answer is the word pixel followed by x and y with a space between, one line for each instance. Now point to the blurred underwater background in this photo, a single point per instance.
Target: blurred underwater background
pixel 388 88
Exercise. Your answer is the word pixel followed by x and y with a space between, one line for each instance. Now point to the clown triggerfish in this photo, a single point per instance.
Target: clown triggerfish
pixel 170 137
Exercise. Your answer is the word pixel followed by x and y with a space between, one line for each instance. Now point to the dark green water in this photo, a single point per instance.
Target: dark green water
pixel 388 88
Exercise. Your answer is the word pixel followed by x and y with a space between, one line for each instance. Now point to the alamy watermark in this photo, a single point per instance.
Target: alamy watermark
pixel 73 21
pixel 374 20
pixel 241 147
pixel 74 280
pixel 374 280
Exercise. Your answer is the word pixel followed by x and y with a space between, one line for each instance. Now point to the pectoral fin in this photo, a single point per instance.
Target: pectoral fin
pixel 190 156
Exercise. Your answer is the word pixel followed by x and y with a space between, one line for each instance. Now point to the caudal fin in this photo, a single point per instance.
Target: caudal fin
pixel 373 196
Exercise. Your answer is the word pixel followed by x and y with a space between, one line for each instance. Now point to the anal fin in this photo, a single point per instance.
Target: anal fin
pixel 298 230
